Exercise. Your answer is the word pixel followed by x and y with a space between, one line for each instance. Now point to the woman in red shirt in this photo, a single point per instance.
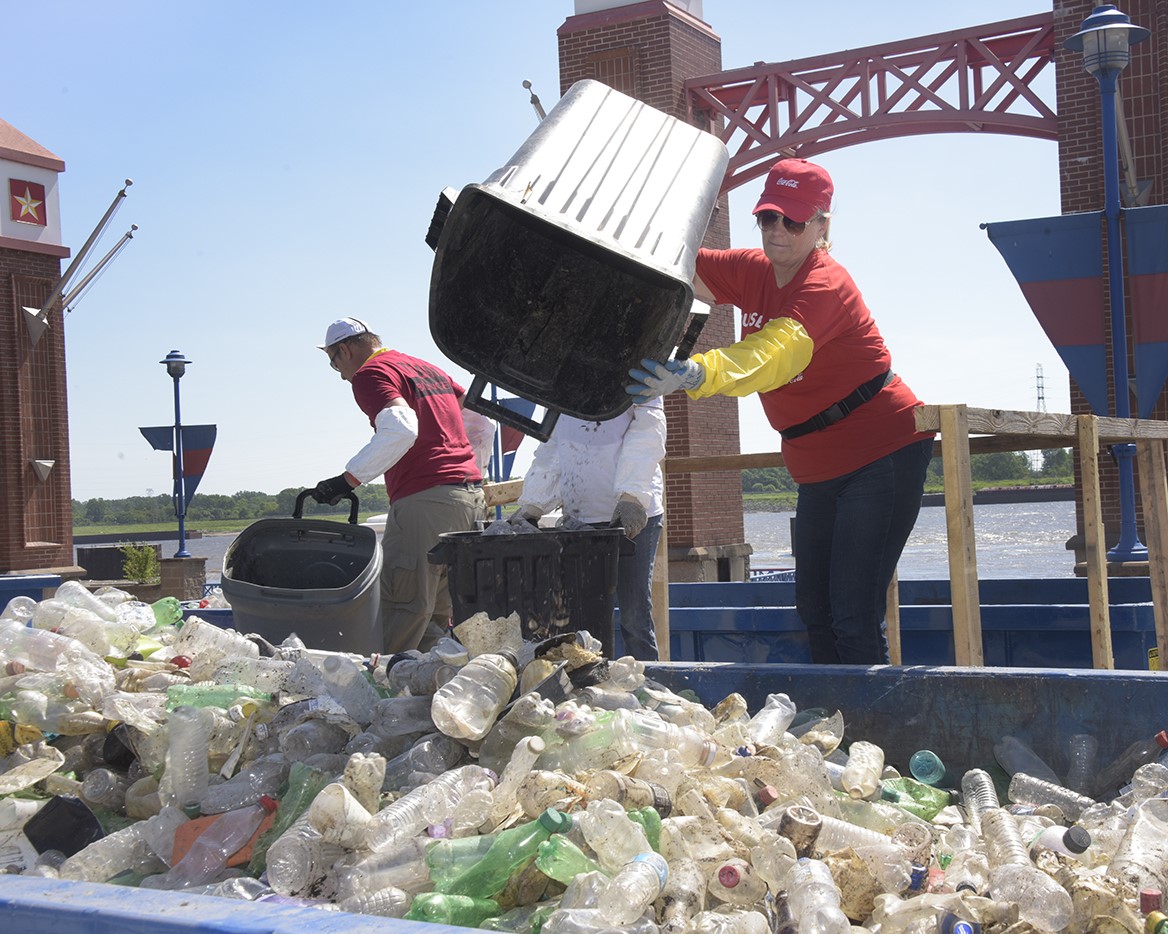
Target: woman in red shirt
pixel 811 350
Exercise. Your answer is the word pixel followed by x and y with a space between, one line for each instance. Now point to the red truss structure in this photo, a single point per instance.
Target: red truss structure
pixel 980 79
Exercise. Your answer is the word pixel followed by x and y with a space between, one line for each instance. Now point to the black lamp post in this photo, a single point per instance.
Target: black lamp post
pixel 1105 40
pixel 176 366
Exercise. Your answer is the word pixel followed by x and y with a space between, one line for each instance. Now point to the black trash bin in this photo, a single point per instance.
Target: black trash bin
pixel 556 580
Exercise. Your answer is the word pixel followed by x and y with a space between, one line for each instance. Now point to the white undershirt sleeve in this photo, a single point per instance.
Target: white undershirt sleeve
pixel 395 431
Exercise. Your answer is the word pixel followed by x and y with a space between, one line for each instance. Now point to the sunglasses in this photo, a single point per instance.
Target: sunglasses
pixel 768 219
pixel 333 353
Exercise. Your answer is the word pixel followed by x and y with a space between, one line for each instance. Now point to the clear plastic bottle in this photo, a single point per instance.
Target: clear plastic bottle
pixel 402 868
pixel 542 789
pixel 389 902
pixel 861 776
pixel 639 732
pixel 1014 755
pixel 105 788
pixel 611 834
pixel 405 817
pixel 434 753
pixel 835 834
pixel 635 887
pixel 1026 789
pixel 266 675
pixel 768 725
pixel 208 854
pixel 814 899
pixel 978 795
pixel 312 737
pixel 1003 842
pixel 187 771
pixel 1120 770
pixel 117 852
pixel 627 791
pixel 684 896
pixel 1041 901
pixel 1082 755
pixel 300 858
pixel 349 686
pixel 262 776
pixel 506 793
pixel 402 716
pixel 74 593
pixel 1143 850
pixel 530 715
pixel 736 882
pixel 206 645
pixel 466 706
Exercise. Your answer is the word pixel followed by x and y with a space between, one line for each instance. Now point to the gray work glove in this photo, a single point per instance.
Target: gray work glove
pixel 526 514
pixel 661 378
pixel 630 515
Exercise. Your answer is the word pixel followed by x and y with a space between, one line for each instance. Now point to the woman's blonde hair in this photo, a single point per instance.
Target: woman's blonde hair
pixel 824 241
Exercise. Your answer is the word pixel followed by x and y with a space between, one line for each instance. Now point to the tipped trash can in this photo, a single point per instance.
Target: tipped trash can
pixel 556 580
pixel 314 577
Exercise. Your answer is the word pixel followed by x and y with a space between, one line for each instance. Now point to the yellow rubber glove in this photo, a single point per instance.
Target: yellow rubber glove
pixel 767 359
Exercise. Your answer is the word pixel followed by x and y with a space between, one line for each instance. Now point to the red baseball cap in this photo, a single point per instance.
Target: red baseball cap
pixel 797 189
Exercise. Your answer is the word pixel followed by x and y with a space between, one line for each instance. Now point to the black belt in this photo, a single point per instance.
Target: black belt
pixel 467 484
pixel 834 413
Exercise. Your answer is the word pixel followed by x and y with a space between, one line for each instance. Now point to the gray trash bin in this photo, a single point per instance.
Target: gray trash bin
pixel 313 577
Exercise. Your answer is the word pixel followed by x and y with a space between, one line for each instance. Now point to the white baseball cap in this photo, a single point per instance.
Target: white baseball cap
pixel 342 328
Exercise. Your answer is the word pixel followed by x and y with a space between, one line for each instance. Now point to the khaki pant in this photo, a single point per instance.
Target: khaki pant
pixel 415 600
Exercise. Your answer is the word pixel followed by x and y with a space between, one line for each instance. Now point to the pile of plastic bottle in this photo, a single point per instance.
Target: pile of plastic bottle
pixel 542 788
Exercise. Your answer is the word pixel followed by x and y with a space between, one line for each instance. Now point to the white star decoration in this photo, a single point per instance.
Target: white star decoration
pixel 28 204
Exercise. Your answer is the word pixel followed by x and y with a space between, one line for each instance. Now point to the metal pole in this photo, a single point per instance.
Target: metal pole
pixel 496 466
pixel 1129 547
pixel 180 504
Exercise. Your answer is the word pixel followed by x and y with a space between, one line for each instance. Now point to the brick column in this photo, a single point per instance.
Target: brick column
pixel 647 50
pixel 183 577
pixel 1144 90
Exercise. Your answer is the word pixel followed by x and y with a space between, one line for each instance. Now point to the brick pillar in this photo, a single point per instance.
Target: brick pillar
pixel 183 577
pixel 1144 90
pixel 647 50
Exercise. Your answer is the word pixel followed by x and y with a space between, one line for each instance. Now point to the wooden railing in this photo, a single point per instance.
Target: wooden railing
pixel 965 431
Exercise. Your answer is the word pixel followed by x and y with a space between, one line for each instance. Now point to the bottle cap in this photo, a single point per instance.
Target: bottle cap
pixel 556 821
pixel 1150 900
pixel 1153 921
pixel 1077 839
pixel 951 924
pixel 1162 739
pixel 729 876
pixel 768 795
pixel 268 803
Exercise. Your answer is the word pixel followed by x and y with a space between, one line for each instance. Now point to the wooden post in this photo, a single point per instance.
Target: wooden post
pixel 1154 493
pixel 661 590
pixel 1094 543
pixel 967 640
pixel 892 620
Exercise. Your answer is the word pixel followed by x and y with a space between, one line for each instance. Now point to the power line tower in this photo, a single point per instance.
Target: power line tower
pixel 1041 389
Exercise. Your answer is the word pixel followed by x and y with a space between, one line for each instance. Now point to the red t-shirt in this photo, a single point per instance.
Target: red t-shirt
pixel 441 454
pixel 849 351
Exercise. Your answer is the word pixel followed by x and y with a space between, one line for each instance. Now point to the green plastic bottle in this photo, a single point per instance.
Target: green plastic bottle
pixel 650 819
pixel 167 611
pixel 210 695
pixel 449 858
pixel 442 908
pixel 304 784
pixel 510 852
pixel 917 798
pixel 560 859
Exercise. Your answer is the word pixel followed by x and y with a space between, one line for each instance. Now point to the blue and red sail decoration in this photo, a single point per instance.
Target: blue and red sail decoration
pixel 1147 269
pixel 197 442
pixel 512 437
pixel 1058 262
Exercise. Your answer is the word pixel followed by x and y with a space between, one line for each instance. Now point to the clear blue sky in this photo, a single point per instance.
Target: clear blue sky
pixel 286 158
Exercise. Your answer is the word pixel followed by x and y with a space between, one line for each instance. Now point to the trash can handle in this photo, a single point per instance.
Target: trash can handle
pixel 474 401
pixel 699 314
pixel 304 494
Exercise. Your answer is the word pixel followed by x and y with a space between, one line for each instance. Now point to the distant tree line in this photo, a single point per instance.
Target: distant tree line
pixel 1005 467
pixel 246 505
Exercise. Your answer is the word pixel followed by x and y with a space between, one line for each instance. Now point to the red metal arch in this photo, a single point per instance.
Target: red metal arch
pixel 980 79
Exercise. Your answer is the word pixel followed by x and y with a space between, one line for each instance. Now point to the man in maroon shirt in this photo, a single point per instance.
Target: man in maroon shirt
pixel 420 444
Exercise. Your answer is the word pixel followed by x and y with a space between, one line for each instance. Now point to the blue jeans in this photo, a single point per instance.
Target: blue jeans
pixel 634 593
pixel 849 533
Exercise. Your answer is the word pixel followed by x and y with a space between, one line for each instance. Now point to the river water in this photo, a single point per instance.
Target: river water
pixel 1012 540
